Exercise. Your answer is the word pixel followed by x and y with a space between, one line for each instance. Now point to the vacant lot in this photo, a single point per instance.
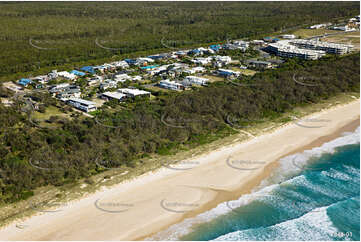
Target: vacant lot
pixel 213 78
pixel 246 72
pixel 49 112
pixel 306 33
pixel 346 38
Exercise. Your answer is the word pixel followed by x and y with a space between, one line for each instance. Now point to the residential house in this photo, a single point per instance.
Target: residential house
pixel 88 69
pixel 195 70
pixel 202 61
pixel 222 59
pixel 81 104
pixel 197 80
pixel 24 82
pixel 67 75
pixel 53 74
pixel 122 77
pixel 133 92
pixel 114 96
pixel 42 79
pixel 142 61
pixel 228 73
pixel 78 73
pixel 121 64
pixel 70 91
pixel 288 36
pixel 108 84
pixel 172 85
pixel 92 81
pixel 260 64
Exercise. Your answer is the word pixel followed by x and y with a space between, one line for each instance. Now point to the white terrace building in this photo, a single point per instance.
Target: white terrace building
pixel 328 47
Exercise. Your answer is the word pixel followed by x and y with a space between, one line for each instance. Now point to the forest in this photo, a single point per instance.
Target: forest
pixel 80 147
pixel 38 37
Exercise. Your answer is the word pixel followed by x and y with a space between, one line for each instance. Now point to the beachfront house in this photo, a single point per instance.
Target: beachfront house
pixel 81 104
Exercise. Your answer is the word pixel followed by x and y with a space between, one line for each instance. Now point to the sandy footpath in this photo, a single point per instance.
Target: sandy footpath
pixel 153 201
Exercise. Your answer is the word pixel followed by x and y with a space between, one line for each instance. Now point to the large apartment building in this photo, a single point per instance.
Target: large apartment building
pixel 288 51
pixel 331 48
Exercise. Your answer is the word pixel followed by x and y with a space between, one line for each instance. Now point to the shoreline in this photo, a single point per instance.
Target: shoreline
pixel 254 182
pixel 215 183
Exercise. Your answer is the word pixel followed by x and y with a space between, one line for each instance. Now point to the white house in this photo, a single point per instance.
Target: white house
pixel 114 95
pixel 197 80
pixel 195 70
pixel 143 61
pixel 136 78
pixel 171 85
pixel 82 104
pixel 67 75
pixel 122 64
pixel 108 84
pixel 222 59
pixel 288 36
pixel 122 77
pixel 133 92
pixel 201 60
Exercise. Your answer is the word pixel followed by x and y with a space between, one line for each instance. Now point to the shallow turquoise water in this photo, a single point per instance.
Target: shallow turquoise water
pixel 313 195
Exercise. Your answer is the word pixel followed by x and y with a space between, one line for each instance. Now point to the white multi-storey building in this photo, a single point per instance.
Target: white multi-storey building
pixel 283 49
pixel 328 47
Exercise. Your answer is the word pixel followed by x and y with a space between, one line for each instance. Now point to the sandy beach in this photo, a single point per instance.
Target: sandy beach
pixel 139 208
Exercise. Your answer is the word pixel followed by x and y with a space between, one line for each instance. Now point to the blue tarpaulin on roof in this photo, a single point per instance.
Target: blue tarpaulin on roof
pixel 78 73
pixel 149 67
pixel 130 61
pixel 24 81
pixel 215 47
pixel 89 69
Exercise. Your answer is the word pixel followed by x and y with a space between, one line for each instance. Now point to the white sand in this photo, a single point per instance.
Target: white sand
pixel 177 190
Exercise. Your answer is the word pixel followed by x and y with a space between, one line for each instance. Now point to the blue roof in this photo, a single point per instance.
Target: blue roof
pixel 215 47
pixel 130 61
pixel 149 67
pixel 88 69
pixel 155 57
pixel 24 81
pixel 225 73
pixel 78 73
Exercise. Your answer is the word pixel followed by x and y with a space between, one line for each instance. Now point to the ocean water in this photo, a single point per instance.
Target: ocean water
pixel 313 195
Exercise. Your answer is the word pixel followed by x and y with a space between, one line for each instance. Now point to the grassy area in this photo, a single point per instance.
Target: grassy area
pixel 345 38
pixel 246 72
pixel 64 194
pixel 306 33
pixel 49 112
pixel 213 78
